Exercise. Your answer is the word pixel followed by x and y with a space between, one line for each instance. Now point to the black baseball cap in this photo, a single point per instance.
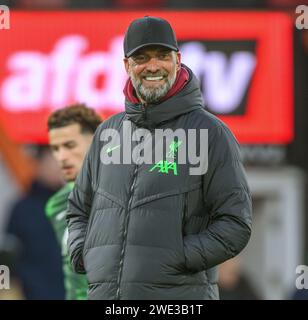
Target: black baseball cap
pixel 148 31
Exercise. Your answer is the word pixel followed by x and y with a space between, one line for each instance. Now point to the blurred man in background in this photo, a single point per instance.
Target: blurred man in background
pixel 71 131
pixel 38 268
pixel 233 283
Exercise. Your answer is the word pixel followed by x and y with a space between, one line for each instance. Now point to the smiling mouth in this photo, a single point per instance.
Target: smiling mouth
pixel 151 78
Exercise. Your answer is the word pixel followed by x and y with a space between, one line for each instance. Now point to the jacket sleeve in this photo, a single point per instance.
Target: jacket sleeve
pixel 78 212
pixel 227 197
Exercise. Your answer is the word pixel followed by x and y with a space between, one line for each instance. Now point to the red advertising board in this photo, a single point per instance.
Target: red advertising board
pixel 244 61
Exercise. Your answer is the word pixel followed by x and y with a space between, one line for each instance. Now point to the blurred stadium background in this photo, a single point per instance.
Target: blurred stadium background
pixel 252 64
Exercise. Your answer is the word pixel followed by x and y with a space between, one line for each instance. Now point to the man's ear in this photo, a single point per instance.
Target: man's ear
pixel 178 61
pixel 126 64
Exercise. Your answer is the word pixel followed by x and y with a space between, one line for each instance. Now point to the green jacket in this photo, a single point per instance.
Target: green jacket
pixel 76 285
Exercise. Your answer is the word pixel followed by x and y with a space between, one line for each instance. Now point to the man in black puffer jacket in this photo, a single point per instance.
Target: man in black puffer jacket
pixel 144 227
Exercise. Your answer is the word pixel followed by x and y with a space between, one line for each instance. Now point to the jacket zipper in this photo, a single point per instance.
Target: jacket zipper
pixel 126 222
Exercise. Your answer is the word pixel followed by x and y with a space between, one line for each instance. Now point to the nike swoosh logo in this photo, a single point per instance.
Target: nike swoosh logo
pixel 113 148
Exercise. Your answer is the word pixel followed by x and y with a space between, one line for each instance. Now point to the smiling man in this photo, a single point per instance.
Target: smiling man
pixel 154 230
pixel 70 132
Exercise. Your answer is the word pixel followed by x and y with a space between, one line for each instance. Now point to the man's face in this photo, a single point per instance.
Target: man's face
pixel 69 147
pixel 153 71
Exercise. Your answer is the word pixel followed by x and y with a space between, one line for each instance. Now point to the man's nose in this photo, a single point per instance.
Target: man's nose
pixel 62 154
pixel 153 65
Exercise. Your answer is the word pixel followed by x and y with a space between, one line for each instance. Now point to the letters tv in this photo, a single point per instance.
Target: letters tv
pixel 225 69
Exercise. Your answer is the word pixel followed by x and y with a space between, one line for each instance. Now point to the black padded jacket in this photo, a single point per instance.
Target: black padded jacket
pixel 146 231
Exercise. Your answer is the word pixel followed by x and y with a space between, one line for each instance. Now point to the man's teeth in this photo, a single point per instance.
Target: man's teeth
pixel 154 78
